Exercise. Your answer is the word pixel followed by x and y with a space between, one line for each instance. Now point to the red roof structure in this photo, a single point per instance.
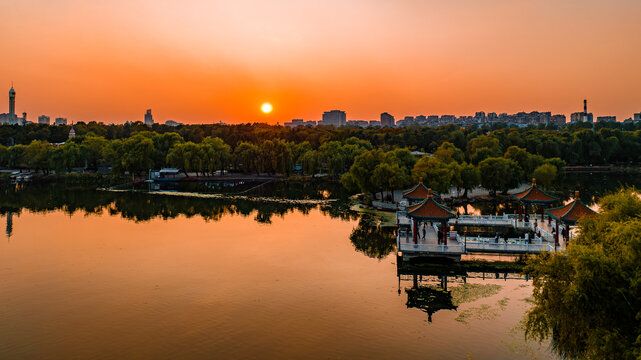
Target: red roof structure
pixel 534 195
pixel 572 212
pixel 429 209
pixel 418 192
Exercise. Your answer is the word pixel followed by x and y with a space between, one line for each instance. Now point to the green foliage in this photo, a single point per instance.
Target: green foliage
pixel 545 175
pixel 362 171
pixel 245 157
pixel 436 174
pixel 448 152
pixel 310 162
pixel 483 147
pixel 4 155
pixel 499 174
pixel 527 162
pixel 470 177
pixel 588 299
pixel 36 155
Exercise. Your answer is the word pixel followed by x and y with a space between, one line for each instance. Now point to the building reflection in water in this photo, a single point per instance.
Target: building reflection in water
pixel 9 229
pixel 427 289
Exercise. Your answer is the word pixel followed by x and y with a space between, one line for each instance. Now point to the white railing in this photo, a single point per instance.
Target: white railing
pixel 508 247
pixel 483 220
pixel 432 248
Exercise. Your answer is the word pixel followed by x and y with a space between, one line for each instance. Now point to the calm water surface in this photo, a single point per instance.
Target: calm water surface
pixel 98 286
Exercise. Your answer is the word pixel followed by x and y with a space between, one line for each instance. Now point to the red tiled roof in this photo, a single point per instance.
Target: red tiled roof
pixel 431 210
pixel 534 195
pixel 418 192
pixel 571 212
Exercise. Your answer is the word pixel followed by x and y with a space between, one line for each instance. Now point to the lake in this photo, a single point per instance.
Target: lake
pixel 94 275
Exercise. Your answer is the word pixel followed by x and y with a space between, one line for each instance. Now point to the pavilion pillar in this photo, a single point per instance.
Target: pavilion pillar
pixel 542 214
pixel 520 214
pixel 414 231
pixel 445 231
pixel 556 235
pixel 525 209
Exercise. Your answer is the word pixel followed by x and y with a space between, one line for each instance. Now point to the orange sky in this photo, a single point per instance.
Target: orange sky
pixel 210 61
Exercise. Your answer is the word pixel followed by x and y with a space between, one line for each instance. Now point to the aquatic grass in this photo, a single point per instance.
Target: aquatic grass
pixel 471 292
pixel 482 312
pixel 503 303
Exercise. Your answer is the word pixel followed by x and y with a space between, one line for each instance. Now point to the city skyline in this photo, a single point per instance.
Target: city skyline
pixel 205 62
pixel 339 118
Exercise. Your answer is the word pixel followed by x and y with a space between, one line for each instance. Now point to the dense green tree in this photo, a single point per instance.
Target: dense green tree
pixel 16 156
pixel 526 161
pixel 361 173
pixel 215 154
pixel 93 148
pixel 545 175
pixel 187 157
pixel 436 174
pixel 4 155
pixel 499 174
pixel 587 299
pixel 483 147
pixel 36 155
pixel 470 178
pixel 136 154
pixel 245 157
pixel 310 162
pixel 389 176
pixel 448 153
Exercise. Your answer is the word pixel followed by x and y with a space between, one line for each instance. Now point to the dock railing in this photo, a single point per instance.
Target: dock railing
pixel 433 248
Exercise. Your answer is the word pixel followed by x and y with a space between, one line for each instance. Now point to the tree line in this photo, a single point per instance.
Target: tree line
pixel 576 144
pixel 360 165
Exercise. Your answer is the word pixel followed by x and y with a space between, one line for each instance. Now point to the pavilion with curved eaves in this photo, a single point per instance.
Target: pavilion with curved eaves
pixel 418 193
pixel 432 211
pixel 533 196
pixel 569 214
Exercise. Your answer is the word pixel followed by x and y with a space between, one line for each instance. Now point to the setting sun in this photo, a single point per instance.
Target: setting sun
pixel 266 108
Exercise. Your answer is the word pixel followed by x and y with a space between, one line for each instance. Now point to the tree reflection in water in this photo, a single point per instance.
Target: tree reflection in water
pixel 139 206
pixel 374 241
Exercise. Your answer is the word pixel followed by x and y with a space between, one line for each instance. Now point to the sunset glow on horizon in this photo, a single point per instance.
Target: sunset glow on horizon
pixel 211 61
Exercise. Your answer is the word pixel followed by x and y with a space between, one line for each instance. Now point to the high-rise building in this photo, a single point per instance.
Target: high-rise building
pixel 12 106
pixel 637 116
pixel 334 118
pixel 61 121
pixel 387 120
pixel 44 119
pixel 557 119
pixel 606 118
pixel 149 120
pixel 581 116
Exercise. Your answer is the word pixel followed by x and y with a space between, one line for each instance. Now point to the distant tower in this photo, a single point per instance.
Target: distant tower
pixel 12 106
pixel 24 117
pixel 149 120
pixel 585 110
pixel 72 132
